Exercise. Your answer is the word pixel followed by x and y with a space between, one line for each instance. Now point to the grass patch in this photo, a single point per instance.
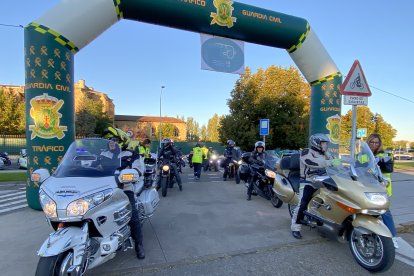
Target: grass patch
pixel 402 165
pixel 13 176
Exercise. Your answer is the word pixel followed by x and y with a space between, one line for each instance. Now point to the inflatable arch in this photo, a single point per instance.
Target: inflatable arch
pixel 52 40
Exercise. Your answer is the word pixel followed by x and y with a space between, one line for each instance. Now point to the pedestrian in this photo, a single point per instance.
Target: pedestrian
pixel 386 164
pixel 197 160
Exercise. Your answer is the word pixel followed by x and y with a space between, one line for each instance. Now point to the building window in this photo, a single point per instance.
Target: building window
pixel 153 132
pixel 176 132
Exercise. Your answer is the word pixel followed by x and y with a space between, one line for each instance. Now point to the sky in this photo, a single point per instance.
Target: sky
pixel 132 60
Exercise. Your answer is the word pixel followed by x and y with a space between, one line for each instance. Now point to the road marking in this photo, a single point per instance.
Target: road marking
pixel 13 208
pixel 11 194
pixel 10 198
pixel 12 203
pixel 405 252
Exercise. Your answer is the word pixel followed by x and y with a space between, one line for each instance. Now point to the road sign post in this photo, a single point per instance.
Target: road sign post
pixel 356 92
pixel 264 129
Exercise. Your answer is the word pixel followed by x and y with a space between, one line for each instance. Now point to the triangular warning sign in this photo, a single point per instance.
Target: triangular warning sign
pixel 355 82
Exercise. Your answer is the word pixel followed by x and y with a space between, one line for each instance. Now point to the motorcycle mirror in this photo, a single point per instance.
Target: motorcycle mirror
pixel 353 173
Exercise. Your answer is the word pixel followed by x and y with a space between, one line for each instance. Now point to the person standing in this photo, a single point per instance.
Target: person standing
pixel 197 160
pixel 386 164
pixel 205 157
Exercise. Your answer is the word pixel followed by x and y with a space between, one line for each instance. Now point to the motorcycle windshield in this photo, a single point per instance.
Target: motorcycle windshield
pixel 270 161
pixel 90 158
pixel 362 166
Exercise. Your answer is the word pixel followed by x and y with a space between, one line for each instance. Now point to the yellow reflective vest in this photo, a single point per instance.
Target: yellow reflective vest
pixel 144 151
pixel 197 155
pixel 205 152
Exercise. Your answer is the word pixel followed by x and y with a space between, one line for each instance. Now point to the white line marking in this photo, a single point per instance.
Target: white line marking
pixel 13 208
pixel 404 260
pixel 12 194
pixel 11 198
pixel 12 203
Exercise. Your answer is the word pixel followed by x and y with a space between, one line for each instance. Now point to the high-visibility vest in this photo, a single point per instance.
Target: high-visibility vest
pixel 144 151
pixel 197 155
pixel 205 152
pixel 386 176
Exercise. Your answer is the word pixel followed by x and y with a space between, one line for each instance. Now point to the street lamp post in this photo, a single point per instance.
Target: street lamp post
pixel 162 87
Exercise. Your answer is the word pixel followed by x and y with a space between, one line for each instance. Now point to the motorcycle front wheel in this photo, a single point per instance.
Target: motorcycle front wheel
pixel 373 252
pixel 237 178
pixel 164 186
pixel 55 265
pixel 276 202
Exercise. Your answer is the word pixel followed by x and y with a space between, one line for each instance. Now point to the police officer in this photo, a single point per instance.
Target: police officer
pixel 170 152
pixel 205 157
pixel 230 153
pixel 144 148
pixel 313 161
pixel 258 156
pixel 197 160
pixel 129 159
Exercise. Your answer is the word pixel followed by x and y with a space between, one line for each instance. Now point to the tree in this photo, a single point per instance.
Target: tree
pixel 90 119
pixel 193 129
pixel 167 131
pixel 213 128
pixel 278 94
pixel 203 133
pixel 13 114
pixel 372 122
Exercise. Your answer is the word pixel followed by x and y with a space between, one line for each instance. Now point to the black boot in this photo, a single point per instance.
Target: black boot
pixel 297 235
pixel 139 248
pixel 249 195
pixel 180 186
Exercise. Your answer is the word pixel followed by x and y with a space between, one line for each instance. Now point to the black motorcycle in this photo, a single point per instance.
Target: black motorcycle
pixel 263 175
pixel 167 176
pixel 213 162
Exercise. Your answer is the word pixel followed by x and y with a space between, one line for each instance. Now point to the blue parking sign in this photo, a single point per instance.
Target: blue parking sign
pixel 264 127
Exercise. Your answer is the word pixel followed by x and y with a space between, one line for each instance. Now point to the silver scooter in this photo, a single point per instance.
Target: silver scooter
pixel 87 209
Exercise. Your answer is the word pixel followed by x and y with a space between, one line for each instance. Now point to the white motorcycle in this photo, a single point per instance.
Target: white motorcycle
pixel 87 209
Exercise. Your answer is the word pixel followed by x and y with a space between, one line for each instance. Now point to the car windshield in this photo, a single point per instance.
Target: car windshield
pixel 362 166
pixel 90 158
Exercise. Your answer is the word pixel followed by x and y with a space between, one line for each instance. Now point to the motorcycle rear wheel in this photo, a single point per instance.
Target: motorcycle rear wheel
pixel 373 252
pixel 54 265
pixel 164 186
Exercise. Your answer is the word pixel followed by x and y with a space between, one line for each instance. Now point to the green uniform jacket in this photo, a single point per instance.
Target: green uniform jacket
pixel 205 152
pixel 144 151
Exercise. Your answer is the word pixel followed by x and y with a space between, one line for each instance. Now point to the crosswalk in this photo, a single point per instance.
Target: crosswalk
pixel 14 200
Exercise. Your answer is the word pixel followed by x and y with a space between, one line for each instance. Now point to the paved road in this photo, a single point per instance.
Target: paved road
pixel 210 229
pixel 12 197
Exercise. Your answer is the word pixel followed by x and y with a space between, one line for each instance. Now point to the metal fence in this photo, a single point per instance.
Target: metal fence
pixel 12 143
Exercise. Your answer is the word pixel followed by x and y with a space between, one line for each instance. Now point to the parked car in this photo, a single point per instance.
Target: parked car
pixel 22 160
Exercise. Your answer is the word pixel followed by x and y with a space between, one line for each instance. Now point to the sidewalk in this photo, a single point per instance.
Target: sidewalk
pixel 402 200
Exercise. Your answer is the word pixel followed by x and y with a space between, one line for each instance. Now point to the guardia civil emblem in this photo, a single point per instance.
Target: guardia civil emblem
pixel 223 17
pixel 44 111
pixel 334 127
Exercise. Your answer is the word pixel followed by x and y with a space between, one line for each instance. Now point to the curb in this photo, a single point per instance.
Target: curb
pixel 406 227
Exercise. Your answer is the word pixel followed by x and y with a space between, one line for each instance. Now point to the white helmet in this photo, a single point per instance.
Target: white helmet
pixel 316 139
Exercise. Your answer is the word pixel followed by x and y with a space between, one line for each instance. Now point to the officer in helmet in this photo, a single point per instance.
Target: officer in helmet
pixel 313 161
pixel 144 148
pixel 230 154
pixel 257 156
pixel 129 159
pixel 170 152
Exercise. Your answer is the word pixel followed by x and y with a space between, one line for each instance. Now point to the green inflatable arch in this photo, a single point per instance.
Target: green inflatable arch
pixel 52 40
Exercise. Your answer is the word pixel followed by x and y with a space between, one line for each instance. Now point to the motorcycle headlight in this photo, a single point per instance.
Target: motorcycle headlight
pixel 81 206
pixel 377 198
pixel 48 205
pixel 165 168
pixel 214 157
pixel 239 162
pixel 270 173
